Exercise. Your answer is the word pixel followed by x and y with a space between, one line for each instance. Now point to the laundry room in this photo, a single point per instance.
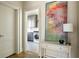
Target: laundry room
pixel 32 44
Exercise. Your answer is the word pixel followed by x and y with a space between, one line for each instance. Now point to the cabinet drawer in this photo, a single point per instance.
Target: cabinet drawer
pixel 56 53
pixel 64 49
pixel 58 47
pixel 52 53
pixel 63 54
pixel 53 47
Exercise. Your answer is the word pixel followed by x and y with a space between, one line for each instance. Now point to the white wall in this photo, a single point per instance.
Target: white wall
pixel 31 5
pixel 72 18
pixel 14 4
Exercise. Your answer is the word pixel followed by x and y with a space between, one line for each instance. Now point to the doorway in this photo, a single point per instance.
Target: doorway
pixel 32 31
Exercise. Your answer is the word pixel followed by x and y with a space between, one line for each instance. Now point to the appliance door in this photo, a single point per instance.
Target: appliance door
pixel 36 37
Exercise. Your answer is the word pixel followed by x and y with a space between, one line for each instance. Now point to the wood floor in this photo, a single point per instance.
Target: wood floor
pixel 24 55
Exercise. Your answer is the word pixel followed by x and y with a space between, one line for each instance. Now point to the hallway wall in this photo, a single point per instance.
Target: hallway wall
pixel 78 28
pixel 72 18
pixel 18 4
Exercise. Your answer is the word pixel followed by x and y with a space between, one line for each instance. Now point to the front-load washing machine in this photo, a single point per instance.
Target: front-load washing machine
pixel 36 36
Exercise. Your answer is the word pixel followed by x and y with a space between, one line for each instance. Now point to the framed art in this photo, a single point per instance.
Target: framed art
pixel 56 16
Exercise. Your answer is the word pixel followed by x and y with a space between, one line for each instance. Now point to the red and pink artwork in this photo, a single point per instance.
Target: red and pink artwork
pixel 56 16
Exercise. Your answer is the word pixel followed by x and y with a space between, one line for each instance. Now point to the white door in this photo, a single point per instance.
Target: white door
pixel 7 31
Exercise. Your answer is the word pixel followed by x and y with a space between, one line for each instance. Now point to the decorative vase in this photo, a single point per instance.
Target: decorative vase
pixel 61 41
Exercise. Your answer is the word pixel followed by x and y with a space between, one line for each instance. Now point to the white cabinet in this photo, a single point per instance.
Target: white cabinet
pixel 56 51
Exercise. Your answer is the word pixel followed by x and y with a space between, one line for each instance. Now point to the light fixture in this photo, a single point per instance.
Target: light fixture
pixel 67 27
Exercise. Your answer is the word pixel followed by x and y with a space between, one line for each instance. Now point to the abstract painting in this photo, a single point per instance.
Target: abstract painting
pixel 56 16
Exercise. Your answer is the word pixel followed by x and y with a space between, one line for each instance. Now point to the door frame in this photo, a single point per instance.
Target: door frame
pixel 26 13
pixel 18 29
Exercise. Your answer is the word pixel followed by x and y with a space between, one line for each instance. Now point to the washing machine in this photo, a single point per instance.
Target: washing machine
pixel 36 36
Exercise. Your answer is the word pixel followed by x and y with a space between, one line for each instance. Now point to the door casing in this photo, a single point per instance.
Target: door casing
pixel 26 14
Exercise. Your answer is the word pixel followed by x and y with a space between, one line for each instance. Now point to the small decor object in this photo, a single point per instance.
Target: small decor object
pixel 61 41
